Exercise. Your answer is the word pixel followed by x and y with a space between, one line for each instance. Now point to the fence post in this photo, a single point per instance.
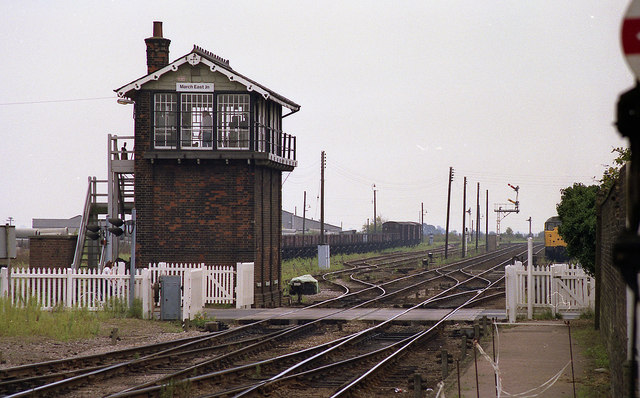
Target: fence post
pixel 554 289
pixel 145 293
pixel 187 298
pixel 244 285
pixel 69 296
pixel 4 281
pixel 530 289
pixel 510 290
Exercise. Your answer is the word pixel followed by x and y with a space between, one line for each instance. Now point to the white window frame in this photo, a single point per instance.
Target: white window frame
pixel 196 129
pixel 233 116
pixel 165 107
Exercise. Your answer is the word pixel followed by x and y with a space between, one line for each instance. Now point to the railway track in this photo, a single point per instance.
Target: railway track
pixel 232 364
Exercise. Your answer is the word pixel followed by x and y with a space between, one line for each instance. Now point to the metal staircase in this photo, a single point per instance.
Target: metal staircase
pixel 111 198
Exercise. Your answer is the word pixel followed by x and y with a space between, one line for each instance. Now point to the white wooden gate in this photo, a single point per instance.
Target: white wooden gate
pixel 219 280
pixel 562 288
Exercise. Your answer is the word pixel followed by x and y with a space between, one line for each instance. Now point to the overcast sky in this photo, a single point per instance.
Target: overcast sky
pixel 395 92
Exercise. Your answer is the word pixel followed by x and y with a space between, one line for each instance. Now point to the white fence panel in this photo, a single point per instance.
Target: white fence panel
pixel 193 293
pixel 89 288
pixel 244 291
pixel 53 287
pixel 559 287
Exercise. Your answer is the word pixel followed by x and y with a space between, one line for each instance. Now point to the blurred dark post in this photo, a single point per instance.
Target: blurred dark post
pixel 626 251
pixel 477 215
pixel 464 213
pixel 304 212
pixel 446 235
pixel 322 165
pixel 487 223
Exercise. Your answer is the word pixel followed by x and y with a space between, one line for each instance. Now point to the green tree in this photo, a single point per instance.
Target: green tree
pixel 612 172
pixel 577 211
pixel 508 234
pixel 368 228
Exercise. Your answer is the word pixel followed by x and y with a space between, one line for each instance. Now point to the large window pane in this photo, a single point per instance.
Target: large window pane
pixel 196 123
pixel 233 121
pixel 164 123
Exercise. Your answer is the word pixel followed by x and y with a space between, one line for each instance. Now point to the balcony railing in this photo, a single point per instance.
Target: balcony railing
pixel 275 142
pixel 278 145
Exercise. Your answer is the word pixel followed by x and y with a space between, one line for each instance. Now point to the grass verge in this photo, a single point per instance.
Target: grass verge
pixel 596 381
pixel 65 324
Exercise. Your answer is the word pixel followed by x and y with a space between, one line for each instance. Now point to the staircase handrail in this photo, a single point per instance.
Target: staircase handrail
pixel 77 258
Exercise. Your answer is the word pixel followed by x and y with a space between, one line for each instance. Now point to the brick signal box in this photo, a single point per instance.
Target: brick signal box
pixel 208 161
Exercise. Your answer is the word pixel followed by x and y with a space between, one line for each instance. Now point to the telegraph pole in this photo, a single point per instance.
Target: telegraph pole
pixel 375 218
pixel 486 237
pixel 446 236
pixel 421 222
pixel 304 212
pixel 322 166
pixel 464 213
pixel 477 215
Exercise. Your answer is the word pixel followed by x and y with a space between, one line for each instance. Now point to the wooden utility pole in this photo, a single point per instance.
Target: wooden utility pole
pixel 304 212
pixel 446 235
pixel 477 215
pixel 464 213
pixel 487 224
pixel 421 222
pixel 375 218
pixel 322 166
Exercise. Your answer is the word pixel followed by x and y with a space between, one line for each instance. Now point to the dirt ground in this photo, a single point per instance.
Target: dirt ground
pixel 15 351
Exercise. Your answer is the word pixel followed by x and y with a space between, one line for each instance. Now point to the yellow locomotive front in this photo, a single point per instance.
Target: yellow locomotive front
pixel 555 248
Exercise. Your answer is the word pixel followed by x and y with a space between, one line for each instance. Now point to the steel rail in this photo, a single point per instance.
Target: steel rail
pixel 403 349
pixel 206 338
pixel 331 349
pixel 7 385
pixel 354 336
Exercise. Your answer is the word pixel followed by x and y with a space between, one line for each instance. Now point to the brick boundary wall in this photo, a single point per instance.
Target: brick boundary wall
pixel 612 304
pixel 51 251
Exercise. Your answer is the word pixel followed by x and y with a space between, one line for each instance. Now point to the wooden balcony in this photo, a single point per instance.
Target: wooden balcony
pixel 267 147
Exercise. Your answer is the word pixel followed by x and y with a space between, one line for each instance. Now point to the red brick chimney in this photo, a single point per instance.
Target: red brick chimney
pixel 157 49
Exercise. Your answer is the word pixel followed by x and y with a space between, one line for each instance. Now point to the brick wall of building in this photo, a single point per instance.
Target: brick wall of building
pixel 51 251
pixel 611 213
pixel 268 233
pixel 193 212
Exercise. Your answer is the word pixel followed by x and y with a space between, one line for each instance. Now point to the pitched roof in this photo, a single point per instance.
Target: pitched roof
pixel 216 64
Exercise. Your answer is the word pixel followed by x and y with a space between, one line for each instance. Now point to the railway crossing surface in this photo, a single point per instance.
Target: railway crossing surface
pixel 358 314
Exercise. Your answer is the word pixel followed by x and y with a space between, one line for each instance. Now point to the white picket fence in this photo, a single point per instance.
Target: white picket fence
pixel 52 287
pixel 561 288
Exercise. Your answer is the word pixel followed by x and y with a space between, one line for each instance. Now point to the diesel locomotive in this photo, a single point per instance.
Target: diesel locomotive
pixel 555 248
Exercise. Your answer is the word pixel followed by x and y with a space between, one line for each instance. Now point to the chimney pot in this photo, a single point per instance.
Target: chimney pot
pixel 157 49
pixel 157 28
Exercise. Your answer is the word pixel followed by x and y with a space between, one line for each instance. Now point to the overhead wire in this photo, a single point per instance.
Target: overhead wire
pixel 56 101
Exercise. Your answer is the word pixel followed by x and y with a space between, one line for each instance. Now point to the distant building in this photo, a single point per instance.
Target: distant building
pixel 72 223
pixel 292 224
